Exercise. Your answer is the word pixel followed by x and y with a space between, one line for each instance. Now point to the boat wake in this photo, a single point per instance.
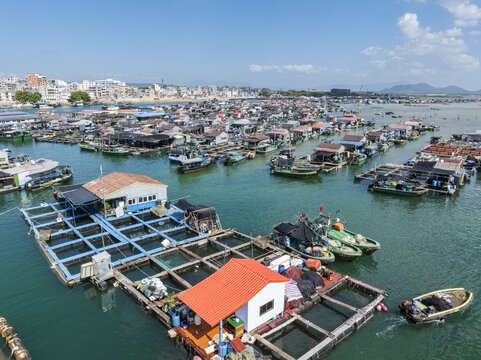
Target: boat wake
pixel 395 323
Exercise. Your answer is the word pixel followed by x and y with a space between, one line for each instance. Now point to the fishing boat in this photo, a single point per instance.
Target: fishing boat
pixel 86 146
pixel 436 305
pixel 293 172
pixel 15 135
pixel 265 149
pixel 370 150
pixel 382 147
pixel 43 181
pixel 234 158
pixel 301 240
pixel 115 150
pixel 179 153
pixel 358 159
pixel 366 245
pixel 189 166
pixel 343 251
pixel 397 141
pixel 397 188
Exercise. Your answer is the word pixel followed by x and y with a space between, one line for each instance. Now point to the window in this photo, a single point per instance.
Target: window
pixel 154 197
pixel 266 307
pixel 132 201
pixel 150 197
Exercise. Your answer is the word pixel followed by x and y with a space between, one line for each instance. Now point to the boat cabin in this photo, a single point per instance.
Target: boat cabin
pixel 327 152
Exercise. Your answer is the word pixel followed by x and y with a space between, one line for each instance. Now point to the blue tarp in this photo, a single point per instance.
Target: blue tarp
pixel 149 115
pixel 353 143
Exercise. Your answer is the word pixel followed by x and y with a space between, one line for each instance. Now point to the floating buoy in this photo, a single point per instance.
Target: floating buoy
pixel 384 307
pixel 379 308
pixel 59 218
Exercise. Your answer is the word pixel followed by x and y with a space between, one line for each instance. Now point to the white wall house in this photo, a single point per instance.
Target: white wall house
pixel 267 304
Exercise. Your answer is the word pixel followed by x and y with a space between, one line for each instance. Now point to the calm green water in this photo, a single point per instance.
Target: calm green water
pixel 427 244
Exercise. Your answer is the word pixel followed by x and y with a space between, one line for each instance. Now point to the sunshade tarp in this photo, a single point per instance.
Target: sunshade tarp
pixel 77 194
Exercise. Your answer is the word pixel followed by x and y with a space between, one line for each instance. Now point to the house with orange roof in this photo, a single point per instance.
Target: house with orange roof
pixel 223 299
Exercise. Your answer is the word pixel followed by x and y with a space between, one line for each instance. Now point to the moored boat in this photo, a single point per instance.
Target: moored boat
pixel 398 188
pixel 189 166
pixel 265 149
pixel 366 245
pixel 234 158
pixel 115 150
pixel 85 146
pixel 436 305
pixel 292 172
pixel 301 240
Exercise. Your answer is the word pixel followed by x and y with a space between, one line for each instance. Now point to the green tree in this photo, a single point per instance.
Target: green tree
pixel 79 96
pixel 35 97
pixel 23 96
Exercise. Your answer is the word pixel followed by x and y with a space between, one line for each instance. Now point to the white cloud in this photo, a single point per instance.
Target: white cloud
pixel 371 50
pixel 465 13
pixel 463 62
pixel 409 25
pixel 422 41
pixel 378 64
pixel 306 69
pixel 475 32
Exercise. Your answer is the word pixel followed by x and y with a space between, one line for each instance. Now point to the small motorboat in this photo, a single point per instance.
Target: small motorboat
pixel 436 305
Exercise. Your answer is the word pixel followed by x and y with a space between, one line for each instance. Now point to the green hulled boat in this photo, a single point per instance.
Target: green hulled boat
pixel 115 150
pixel 189 166
pixel 265 149
pixel 401 189
pixel 88 147
pixel 398 141
pixel 15 135
pixel 327 255
pixel 358 159
pixel 291 172
pixel 366 245
pixel 301 240
pixel 234 158
pixel 382 147
pixel 343 251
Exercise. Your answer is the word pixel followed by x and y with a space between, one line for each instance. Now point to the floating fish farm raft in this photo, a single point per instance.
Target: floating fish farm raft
pixel 161 243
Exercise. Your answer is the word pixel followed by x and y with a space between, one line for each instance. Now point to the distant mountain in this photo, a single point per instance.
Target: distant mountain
pixel 422 88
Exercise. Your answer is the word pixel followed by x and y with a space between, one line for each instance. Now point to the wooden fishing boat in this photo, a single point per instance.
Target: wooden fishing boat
pixel 87 147
pixel 398 189
pixel 328 257
pixel 265 149
pixel 291 172
pixel 189 166
pixel 63 174
pixel 343 251
pixel 436 305
pixel 358 159
pixel 382 147
pixel 397 141
pixel 366 245
pixel 234 158
pixel 115 150
pixel 301 240
pixel 370 151
pixel 15 135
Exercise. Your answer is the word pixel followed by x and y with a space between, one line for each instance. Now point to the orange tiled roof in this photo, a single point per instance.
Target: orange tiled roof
pixel 113 182
pixel 228 289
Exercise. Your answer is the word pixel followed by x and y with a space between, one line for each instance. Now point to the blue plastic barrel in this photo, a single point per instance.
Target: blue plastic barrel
pixel 281 269
pixel 222 349
pixel 175 320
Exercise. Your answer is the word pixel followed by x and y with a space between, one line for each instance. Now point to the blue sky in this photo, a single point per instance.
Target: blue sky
pixel 277 44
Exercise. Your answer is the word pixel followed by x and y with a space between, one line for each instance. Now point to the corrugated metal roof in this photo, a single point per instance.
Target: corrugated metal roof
pixel 113 182
pixel 228 289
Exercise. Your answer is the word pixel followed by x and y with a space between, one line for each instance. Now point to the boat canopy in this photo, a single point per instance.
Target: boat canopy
pixel 300 232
